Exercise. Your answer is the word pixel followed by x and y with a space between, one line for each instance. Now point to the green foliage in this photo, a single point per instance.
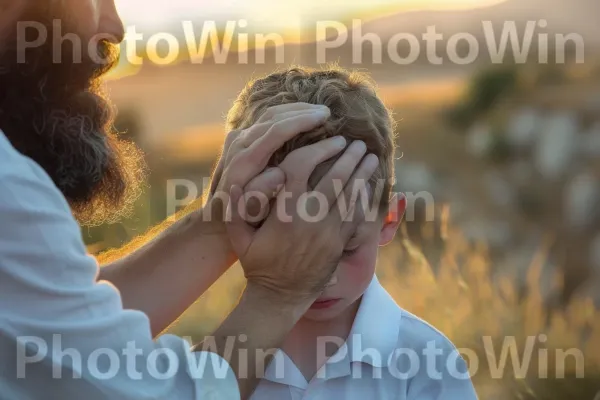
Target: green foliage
pixel 127 123
pixel 459 116
pixel 485 90
pixel 500 150
pixel 490 86
pixel 530 202
pixel 550 75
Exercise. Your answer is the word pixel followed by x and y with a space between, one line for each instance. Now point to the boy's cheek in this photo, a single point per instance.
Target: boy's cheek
pixel 359 268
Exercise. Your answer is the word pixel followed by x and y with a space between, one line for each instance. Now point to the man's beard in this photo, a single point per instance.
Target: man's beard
pixel 57 114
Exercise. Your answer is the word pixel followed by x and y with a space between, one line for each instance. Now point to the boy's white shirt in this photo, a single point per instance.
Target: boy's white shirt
pixel 384 357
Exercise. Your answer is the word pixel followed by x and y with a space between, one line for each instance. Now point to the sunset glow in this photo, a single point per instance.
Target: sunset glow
pixel 288 19
pixel 276 13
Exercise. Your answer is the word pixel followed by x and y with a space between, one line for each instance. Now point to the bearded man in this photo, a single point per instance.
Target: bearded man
pixel 70 329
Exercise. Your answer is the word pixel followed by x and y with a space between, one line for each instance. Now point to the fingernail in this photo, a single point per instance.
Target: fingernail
pixel 361 145
pixel 323 112
pixel 372 158
pixel 340 141
pixel 275 175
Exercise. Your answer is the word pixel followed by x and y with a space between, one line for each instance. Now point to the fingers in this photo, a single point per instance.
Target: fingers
pixel 272 112
pixel 353 204
pixel 358 187
pixel 240 233
pixel 218 172
pixel 290 114
pixel 350 224
pixel 300 163
pixel 248 162
pixel 359 183
pixel 260 191
pixel 259 129
pixel 282 131
pixel 333 182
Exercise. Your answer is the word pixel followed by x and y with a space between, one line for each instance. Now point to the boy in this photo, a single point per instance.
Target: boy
pixel 354 342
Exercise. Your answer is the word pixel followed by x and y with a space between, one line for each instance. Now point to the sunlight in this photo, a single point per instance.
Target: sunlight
pixel 289 19
pixel 273 13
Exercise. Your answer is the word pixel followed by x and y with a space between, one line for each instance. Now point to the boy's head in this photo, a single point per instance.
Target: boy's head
pixel 356 114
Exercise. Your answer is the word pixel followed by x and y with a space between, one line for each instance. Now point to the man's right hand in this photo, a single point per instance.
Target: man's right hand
pixel 291 257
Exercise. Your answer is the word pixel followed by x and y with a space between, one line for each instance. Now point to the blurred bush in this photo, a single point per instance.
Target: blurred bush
pixel 485 89
pixel 500 150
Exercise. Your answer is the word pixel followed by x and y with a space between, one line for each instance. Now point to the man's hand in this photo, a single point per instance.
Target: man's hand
pixel 165 271
pixel 296 250
pixel 244 158
pixel 288 260
pixel 246 153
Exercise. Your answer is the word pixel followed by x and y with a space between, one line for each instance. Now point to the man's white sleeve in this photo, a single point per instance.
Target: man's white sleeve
pixel 63 335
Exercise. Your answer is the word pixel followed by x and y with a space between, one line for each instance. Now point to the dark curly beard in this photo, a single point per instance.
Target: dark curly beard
pixel 57 114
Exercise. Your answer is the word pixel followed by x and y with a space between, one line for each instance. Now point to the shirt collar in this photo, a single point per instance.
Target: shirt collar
pixel 282 370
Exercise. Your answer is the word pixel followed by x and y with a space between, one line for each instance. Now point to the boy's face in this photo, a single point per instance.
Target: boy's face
pixel 357 266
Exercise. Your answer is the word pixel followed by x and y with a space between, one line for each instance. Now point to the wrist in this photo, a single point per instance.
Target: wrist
pixel 205 224
pixel 267 300
pixel 210 236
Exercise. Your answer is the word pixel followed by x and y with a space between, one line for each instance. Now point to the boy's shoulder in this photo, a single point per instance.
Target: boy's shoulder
pixel 418 333
pixel 412 330
pixel 401 330
pixel 422 346
pixel 417 353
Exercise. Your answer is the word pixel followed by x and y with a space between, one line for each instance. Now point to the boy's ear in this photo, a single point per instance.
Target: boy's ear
pixel 393 218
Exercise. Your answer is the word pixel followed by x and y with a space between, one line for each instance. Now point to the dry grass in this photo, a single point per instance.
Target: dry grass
pixel 465 302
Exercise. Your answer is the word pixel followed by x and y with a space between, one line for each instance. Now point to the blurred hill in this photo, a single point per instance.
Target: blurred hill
pixel 174 98
pixel 563 17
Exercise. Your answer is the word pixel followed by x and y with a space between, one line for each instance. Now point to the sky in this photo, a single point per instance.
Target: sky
pixel 287 18
pixel 277 13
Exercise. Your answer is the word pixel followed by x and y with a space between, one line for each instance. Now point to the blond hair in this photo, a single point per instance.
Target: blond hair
pixel 357 113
